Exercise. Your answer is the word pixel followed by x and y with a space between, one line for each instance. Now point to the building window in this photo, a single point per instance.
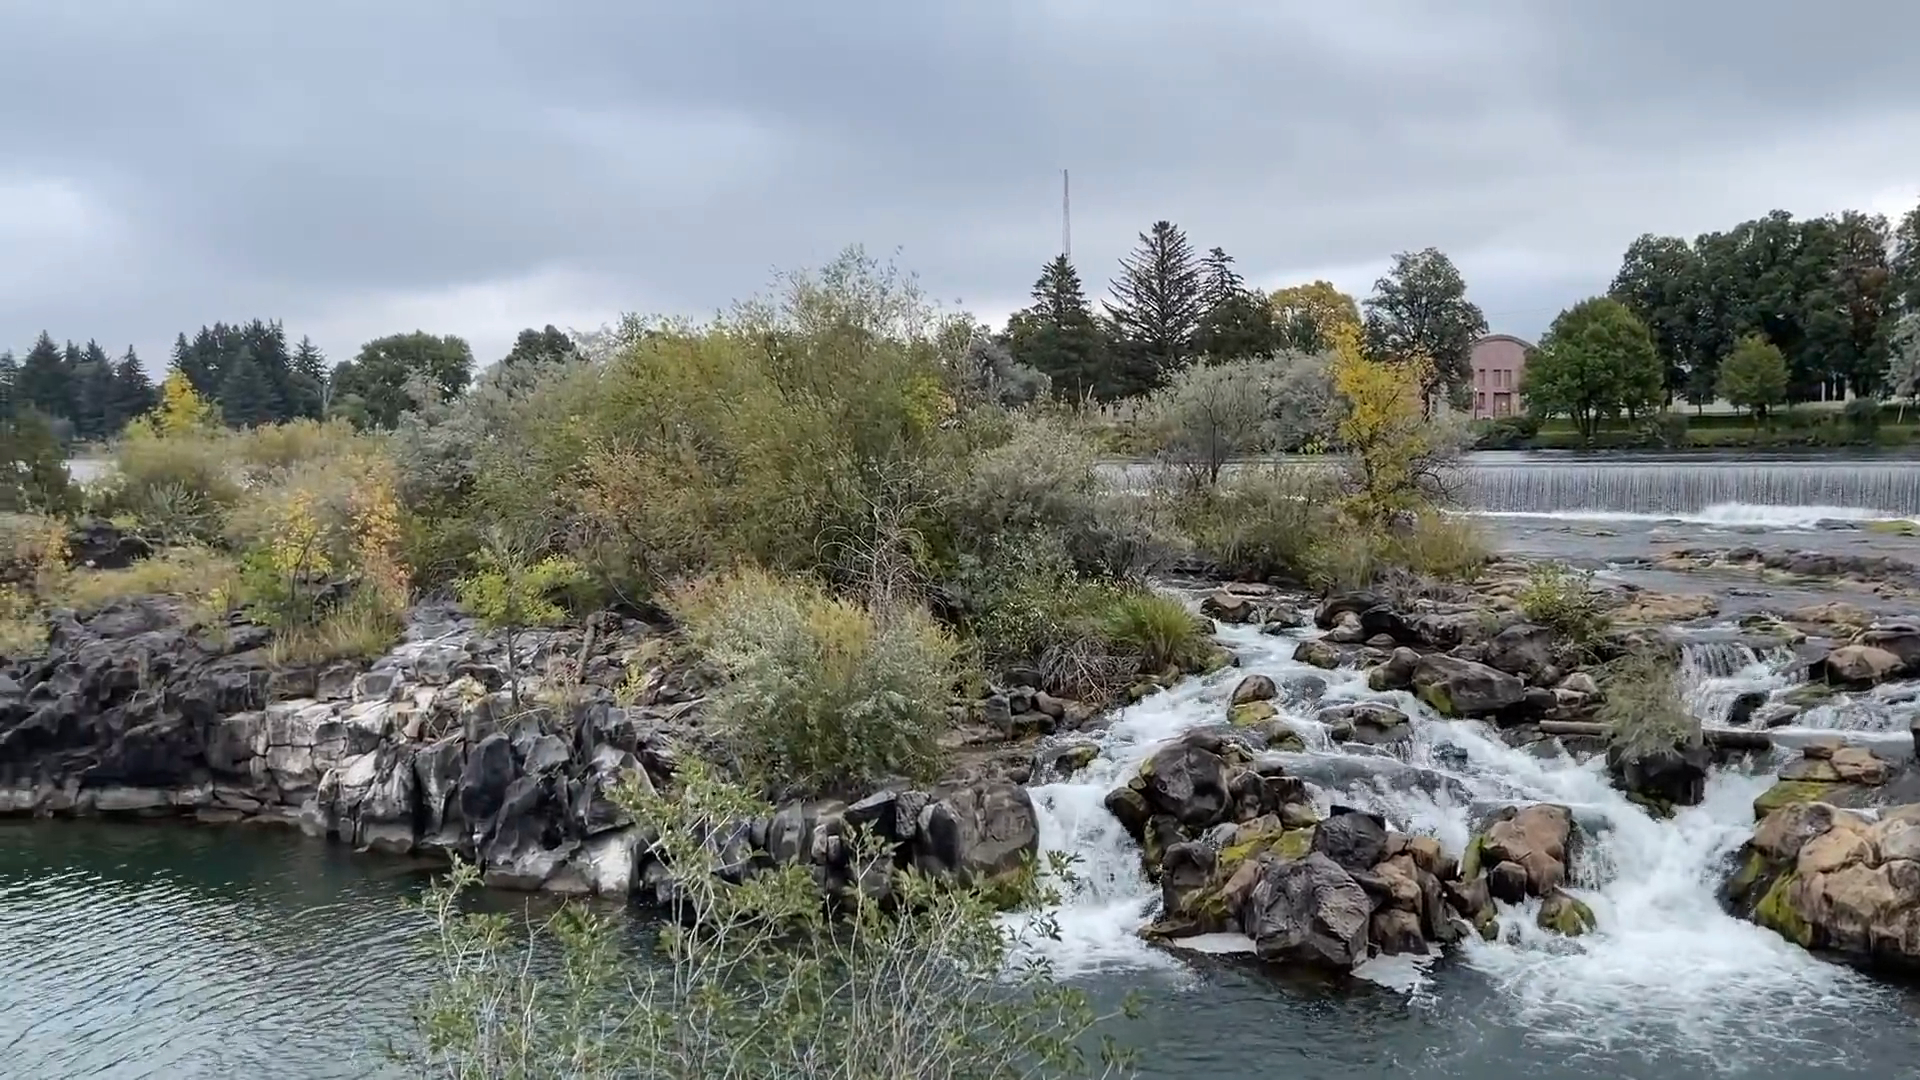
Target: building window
pixel 1480 403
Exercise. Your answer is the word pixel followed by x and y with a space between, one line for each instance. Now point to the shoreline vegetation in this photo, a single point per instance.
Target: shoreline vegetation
pixel 855 522
pixel 754 611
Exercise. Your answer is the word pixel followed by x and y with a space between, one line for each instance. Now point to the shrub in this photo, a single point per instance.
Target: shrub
pixel 199 574
pixel 23 626
pixel 1447 547
pixel 512 590
pixel 1157 628
pixel 184 482
pixel 1261 525
pixel 821 693
pixel 1563 601
pixel 1643 709
pixel 1507 432
pixel 1863 416
pixel 34 466
pixel 911 977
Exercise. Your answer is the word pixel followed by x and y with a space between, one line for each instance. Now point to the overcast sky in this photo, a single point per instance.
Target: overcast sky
pixel 475 166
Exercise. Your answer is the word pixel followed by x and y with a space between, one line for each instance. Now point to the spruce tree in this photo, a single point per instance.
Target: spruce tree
pixel 1238 324
pixel 246 397
pixel 1059 337
pixel 45 383
pixel 1156 308
pixel 307 381
pixel 93 394
pixel 133 393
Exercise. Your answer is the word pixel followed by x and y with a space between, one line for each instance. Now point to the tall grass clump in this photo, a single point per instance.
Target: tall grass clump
pixel 1643 709
pixel 1157 628
pixel 1261 525
pixel 821 694
pixel 1564 601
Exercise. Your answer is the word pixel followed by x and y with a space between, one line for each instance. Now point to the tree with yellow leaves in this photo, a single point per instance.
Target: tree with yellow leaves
pixel 1394 454
pixel 181 410
pixel 1308 316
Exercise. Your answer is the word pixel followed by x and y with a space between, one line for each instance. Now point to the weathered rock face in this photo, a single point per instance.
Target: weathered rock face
pixel 423 752
pixel 1308 911
pixel 1837 880
pixel 1664 778
pixel 1456 687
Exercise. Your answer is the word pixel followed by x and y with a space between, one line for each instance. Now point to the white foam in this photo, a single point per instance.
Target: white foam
pixel 1732 515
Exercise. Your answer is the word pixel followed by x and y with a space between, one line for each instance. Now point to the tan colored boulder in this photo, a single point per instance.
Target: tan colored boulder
pixel 1894 839
pixel 1831 615
pixel 1254 688
pixel 1833 850
pixel 1861 665
pixel 1535 837
pixel 1781 834
pixel 1402 881
pixel 1428 855
pixel 1859 765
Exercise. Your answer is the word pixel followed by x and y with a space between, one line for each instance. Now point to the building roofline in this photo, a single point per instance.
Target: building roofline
pixel 1520 341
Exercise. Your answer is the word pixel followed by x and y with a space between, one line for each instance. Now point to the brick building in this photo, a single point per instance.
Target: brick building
pixel 1499 361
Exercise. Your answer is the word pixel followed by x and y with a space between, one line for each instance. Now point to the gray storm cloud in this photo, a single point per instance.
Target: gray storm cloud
pixel 358 168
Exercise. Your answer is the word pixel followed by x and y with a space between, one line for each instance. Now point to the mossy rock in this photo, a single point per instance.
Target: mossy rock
pixel 1218 660
pixel 1654 806
pixel 1252 714
pixel 1470 859
pixel 1286 843
pixel 1566 915
pixel 1075 758
pixel 1752 869
pixel 1894 527
pixel 1141 690
pixel 1775 912
pixel 1786 792
pixel 1489 925
pixel 1012 890
pixel 1807 695
pixel 1287 740
pixel 1437 698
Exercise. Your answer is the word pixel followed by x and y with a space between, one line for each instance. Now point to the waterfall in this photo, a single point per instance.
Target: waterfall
pixel 1715 674
pixel 1711 492
pixel 1666 961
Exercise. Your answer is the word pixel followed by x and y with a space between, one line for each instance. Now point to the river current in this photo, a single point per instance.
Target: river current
pixel 136 951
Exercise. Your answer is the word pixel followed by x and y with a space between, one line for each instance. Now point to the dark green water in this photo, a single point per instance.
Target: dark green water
pixel 166 951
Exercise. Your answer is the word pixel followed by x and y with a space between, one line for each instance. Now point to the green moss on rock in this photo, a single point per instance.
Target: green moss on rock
pixel 1252 714
pixel 1787 792
pixel 1470 859
pixel 1436 696
pixel 1775 912
pixel 1565 915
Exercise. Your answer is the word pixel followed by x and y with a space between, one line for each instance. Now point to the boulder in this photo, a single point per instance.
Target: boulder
pixel 1522 649
pixel 1856 666
pixel 101 545
pixel 1319 653
pixel 1455 687
pixel 1663 778
pixel 1254 688
pixel 1369 723
pixel 981 832
pixel 1308 911
pixel 1354 839
pixel 1535 838
pixel 1396 673
pixel 1834 880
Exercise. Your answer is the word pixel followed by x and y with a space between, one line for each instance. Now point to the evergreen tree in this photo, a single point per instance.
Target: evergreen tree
pixel 92 414
pixel 1059 338
pixel 133 393
pixel 1238 324
pixel 1156 308
pixel 246 397
pixel 45 383
pixel 307 380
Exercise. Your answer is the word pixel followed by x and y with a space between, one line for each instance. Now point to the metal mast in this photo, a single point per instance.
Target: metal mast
pixel 1066 217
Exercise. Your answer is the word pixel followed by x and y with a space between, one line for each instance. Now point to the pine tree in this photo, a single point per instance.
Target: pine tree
pixel 1059 337
pixel 1238 324
pixel 1156 308
pixel 306 381
pixel 133 392
pixel 246 397
pixel 93 394
pixel 45 383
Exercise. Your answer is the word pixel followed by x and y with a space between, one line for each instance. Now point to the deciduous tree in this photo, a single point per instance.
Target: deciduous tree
pixel 1306 316
pixel 1419 314
pixel 1754 375
pixel 1596 361
pixel 380 375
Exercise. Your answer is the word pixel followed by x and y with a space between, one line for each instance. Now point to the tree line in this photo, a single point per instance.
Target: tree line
pixel 1774 311
pixel 1169 307
pixel 252 374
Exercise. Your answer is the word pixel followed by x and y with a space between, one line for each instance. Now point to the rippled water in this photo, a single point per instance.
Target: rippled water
pixel 162 951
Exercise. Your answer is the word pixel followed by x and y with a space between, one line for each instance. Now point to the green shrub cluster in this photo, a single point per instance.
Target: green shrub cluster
pixel 1563 600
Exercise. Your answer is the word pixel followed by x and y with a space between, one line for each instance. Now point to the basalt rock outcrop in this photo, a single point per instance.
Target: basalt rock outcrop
pixel 1837 880
pixel 1238 845
pixel 430 751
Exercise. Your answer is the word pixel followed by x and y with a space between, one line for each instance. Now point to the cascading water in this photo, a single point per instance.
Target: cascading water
pixel 1723 493
pixel 1666 963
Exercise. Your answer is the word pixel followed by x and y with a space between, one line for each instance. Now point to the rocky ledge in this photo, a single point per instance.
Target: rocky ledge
pixel 429 750
pixel 1238 845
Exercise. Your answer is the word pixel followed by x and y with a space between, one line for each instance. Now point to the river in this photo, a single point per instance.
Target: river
pixel 136 951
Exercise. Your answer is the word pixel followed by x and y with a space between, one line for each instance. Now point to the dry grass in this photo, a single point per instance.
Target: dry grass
pixel 195 573
pixel 359 629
